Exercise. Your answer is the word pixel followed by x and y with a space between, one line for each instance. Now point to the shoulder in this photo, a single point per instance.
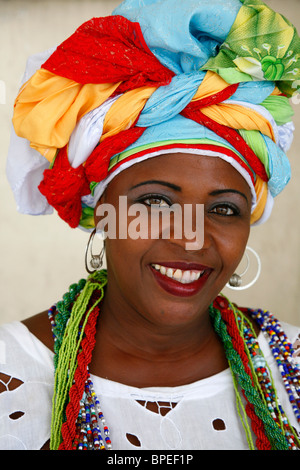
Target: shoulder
pixel 26 381
pixel 293 336
pixel 39 325
pixel 263 320
pixel 274 327
pixel 292 331
pixel 26 341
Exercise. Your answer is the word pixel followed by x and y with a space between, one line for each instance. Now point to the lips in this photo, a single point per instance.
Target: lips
pixel 180 279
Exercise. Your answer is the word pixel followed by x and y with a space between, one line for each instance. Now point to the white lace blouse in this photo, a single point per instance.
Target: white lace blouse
pixel 201 415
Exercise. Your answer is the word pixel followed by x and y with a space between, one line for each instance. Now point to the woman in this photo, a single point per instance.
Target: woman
pixel 127 109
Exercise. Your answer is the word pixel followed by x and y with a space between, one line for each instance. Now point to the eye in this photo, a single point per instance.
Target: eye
pixel 155 200
pixel 227 210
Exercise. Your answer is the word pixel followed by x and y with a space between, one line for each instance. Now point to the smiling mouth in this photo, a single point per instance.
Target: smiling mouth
pixel 179 275
pixel 180 279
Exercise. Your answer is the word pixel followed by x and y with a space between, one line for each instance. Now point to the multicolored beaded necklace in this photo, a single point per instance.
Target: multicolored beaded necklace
pixel 77 419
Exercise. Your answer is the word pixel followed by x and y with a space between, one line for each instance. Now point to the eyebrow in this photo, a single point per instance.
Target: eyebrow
pixel 221 191
pixel 216 192
pixel 163 183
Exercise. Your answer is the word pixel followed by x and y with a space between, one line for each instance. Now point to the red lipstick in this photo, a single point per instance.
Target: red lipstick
pixel 174 287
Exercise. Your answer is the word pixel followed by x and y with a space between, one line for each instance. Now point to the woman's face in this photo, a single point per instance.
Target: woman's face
pixel 167 280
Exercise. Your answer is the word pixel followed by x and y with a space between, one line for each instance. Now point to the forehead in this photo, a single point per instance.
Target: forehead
pixel 189 171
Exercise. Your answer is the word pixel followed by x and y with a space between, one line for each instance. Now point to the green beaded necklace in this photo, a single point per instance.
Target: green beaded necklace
pixel 74 335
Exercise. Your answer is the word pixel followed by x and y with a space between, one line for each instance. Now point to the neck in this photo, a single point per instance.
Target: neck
pixel 133 350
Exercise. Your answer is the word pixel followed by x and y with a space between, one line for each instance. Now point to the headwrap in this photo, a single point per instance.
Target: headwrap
pixel 208 77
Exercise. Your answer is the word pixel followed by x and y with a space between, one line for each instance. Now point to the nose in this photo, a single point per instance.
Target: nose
pixel 188 227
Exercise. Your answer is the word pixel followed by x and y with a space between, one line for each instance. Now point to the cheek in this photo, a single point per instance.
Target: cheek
pixel 231 249
pixel 125 258
pixel 234 257
pixel 122 267
pixel 127 273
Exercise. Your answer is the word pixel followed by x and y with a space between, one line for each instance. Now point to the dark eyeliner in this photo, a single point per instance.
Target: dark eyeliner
pixel 236 211
pixel 144 197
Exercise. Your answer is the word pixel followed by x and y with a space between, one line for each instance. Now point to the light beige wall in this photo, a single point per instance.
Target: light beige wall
pixel 41 256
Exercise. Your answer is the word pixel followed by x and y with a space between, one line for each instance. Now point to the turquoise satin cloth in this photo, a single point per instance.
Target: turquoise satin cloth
pixel 183 36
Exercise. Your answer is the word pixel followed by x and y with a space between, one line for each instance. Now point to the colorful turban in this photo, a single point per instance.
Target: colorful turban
pixel 158 76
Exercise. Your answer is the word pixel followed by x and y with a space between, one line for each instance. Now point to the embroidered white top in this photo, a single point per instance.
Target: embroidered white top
pixel 200 415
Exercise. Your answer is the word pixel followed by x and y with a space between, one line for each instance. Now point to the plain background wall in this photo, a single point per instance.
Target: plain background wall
pixel 41 256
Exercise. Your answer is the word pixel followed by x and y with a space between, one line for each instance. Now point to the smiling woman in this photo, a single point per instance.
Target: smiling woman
pixel 226 202
pixel 172 144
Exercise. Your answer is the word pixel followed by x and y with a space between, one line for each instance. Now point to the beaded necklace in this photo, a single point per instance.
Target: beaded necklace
pixel 77 419
pixel 247 362
pixel 91 424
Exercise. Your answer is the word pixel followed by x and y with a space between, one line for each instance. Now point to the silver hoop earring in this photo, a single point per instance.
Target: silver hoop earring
pixel 96 261
pixel 235 282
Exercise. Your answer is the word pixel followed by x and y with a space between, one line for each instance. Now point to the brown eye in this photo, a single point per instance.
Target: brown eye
pixel 155 201
pixel 225 210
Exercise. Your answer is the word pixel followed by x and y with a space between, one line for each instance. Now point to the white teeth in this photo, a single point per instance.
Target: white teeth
pixel 162 269
pixel 169 272
pixel 185 277
pixel 177 275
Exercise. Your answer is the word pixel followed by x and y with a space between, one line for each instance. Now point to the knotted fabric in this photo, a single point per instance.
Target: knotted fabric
pixel 158 77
